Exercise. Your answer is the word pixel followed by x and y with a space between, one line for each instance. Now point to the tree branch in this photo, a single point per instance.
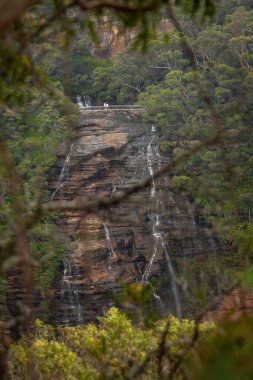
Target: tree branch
pixel 11 11
pixel 115 5
pixel 92 204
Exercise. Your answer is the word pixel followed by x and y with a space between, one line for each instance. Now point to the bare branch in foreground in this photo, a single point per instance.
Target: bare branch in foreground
pixel 163 349
pixel 92 204
pixel 115 5
pixel 18 248
pixel 11 11
pixel 20 242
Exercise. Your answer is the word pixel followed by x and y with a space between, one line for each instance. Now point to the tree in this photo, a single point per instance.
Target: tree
pixel 25 28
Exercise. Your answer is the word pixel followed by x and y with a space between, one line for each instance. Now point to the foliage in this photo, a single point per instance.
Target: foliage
pixel 181 182
pixel 104 351
pixel 226 354
pixel 166 146
pixel 220 177
pixel 32 139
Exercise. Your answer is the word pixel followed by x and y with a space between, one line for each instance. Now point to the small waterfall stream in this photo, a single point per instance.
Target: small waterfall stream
pixel 109 244
pixel 79 101
pixel 155 220
pixel 87 101
pixel 64 173
pixel 83 101
pixel 150 154
pixel 70 291
pixel 70 287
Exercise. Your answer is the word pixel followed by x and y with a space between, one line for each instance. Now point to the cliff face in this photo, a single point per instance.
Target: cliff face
pixel 149 233
pixel 113 38
pixel 238 303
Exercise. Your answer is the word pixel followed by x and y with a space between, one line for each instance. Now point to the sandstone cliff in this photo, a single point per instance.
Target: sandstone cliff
pixel 153 233
pixel 113 38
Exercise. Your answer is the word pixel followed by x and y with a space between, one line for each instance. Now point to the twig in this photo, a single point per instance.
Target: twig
pixel 116 6
pixel 92 204
pixel 195 335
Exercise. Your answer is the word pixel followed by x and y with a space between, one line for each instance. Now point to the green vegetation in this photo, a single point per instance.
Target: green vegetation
pixel 32 140
pixel 104 351
pixel 218 178
pixel 45 61
pixel 116 347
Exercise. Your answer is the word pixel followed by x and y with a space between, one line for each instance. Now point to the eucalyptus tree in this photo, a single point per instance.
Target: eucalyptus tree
pixel 195 97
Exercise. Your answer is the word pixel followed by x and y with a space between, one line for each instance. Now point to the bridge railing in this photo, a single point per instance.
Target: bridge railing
pixel 121 107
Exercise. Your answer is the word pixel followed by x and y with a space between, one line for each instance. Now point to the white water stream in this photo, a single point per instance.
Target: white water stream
pixel 148 154
pixel 64 173
pixel 83 101
pixel 109 244
pixel 153 156
pixel 70 292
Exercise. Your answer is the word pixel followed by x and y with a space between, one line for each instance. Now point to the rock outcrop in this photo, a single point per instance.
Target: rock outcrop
pixel 113 38
pixel 238 303
pixel 149 235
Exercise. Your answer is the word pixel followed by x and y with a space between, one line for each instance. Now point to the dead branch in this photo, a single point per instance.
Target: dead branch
pixel 18 246
pixel 92 204
pixel 115 5
pixel 20 231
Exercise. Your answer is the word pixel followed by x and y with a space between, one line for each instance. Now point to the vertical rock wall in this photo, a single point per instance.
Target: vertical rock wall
pixel 153 228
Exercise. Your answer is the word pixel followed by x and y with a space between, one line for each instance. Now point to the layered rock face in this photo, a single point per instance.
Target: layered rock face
pixel 141 238
pixel 113 38
pixel 238 303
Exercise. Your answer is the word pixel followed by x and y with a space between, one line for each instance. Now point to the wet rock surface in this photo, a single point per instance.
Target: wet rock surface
pixel 151 229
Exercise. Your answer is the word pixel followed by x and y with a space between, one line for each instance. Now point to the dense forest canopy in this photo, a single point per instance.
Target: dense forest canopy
pixel 194 78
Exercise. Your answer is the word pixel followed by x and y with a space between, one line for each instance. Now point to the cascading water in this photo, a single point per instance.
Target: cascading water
pixel 150 229
pixel 155 219
pixel 79 101
pixel 86 101
pixel 70 288
pixel 109 243
pixel 150 167
pixel 83 101
pixel 70 292
pixel 64 173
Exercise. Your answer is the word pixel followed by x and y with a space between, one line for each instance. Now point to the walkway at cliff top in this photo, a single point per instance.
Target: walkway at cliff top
pixel 121 107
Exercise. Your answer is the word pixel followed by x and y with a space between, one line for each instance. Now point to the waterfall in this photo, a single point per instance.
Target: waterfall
pixel 155 218
pixel 150 155
pixel 114 188
pixel 109 243
pixel 79 101
pixel 149 266
pixel 153 229
pixel 159 240
pixel 173 280
pixel 64 173
pixel 70 291
pixel 83 101
pixel 87 101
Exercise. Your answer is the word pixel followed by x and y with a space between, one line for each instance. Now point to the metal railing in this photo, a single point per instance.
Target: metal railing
pixel 121 107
